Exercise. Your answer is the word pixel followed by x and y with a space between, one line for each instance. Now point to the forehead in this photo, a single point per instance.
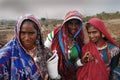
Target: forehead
pixel 92 28
pixel 27 26
pixel 74 20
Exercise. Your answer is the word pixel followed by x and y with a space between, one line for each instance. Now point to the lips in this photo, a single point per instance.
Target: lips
pixel 93 39
pixel 73 31
pixel 27 43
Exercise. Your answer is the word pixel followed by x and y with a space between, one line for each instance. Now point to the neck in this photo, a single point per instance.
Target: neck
pixel 100 43
pixel 32 52
pixel 30 48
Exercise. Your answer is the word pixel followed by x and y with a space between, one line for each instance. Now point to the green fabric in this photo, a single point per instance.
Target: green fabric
pixel 50 36
pixel 73 54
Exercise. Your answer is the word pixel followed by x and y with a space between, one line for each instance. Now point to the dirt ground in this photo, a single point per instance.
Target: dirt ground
pixel 113 27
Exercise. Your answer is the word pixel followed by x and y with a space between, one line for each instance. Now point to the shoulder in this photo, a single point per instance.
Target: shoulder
pixel 111 46
pixel 5 52
pixel 114 50
pixel 50 36
pixel 48 40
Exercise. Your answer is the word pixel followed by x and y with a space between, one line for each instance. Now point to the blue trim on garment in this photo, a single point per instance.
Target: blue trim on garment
pixel 74 38
pixel 62 46
pixel 76 44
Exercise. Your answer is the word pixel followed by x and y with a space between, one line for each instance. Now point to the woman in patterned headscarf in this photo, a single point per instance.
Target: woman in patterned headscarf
pixel 67 40
pixel 19 56
pixel 103 49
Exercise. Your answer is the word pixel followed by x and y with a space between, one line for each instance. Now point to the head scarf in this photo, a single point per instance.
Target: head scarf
pixel 98 67
pixel 60 42
pixel 20 60
pixel 97 23
pixel 42 52
pixel 62 34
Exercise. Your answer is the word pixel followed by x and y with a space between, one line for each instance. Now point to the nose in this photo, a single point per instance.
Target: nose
pixel 26 37
pixel 74 25
pixel 91 35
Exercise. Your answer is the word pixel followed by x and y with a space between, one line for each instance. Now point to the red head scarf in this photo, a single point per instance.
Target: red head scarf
pixel 64 68
pixel 97 23
pixel 95 70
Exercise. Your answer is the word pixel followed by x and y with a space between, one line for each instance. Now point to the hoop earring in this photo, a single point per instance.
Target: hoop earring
pixel 103 36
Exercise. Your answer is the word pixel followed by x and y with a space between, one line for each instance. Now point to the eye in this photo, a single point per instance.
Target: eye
pixel 94 32
pixel 70 23
pixel 89 32
pixel 31 33
pixel 77 24
pixel 22 32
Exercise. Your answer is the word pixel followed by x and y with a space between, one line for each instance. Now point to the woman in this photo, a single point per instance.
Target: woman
pixel 19 56
pixel 103 49
pixel 67 40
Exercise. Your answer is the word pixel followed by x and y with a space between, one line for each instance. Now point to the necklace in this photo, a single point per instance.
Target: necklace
pixel 102 46
pixel 105 53
pixel 70 42
pixel 32 52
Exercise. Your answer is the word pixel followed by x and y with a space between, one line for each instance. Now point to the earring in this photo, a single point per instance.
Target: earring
pixel 103 35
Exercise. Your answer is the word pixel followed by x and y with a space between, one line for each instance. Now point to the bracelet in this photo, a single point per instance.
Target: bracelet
pixel 57 78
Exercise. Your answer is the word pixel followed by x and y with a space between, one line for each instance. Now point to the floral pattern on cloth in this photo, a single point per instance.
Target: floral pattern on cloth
pixel 15 62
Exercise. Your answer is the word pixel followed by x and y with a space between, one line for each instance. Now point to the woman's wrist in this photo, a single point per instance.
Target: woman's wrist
pixel 57 78
pixel 78 63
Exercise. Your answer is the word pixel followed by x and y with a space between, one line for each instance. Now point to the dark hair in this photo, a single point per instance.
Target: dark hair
pixel 88 25
pixel 73 19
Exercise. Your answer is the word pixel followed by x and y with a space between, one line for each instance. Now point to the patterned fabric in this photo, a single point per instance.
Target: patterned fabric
pixel 15 62
pixel 98 69
pixel 116 74
pixel 60 43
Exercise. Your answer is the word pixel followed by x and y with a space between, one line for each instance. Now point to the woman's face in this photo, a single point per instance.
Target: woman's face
pixel 73 26
pixel 94 34
pixel 28 35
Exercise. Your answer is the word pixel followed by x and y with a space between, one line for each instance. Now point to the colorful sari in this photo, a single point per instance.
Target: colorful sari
pixel 15 62
pixel 115 73
pixel 66 69
pixel 99 68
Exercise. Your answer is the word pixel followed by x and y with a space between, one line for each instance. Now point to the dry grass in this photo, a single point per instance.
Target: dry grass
pixel 113 27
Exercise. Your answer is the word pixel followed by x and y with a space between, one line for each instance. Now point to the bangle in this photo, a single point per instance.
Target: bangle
pixel 57 78
pixel 79 63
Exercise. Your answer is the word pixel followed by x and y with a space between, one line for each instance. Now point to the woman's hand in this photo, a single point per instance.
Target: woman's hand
pixel 87 57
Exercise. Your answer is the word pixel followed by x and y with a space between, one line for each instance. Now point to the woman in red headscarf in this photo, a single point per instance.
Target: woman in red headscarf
pixel 67 40
pixel 103 49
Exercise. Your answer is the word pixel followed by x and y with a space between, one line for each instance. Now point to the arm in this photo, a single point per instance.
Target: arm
pixel 4 63
pixel 48 41
pixel 115 61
